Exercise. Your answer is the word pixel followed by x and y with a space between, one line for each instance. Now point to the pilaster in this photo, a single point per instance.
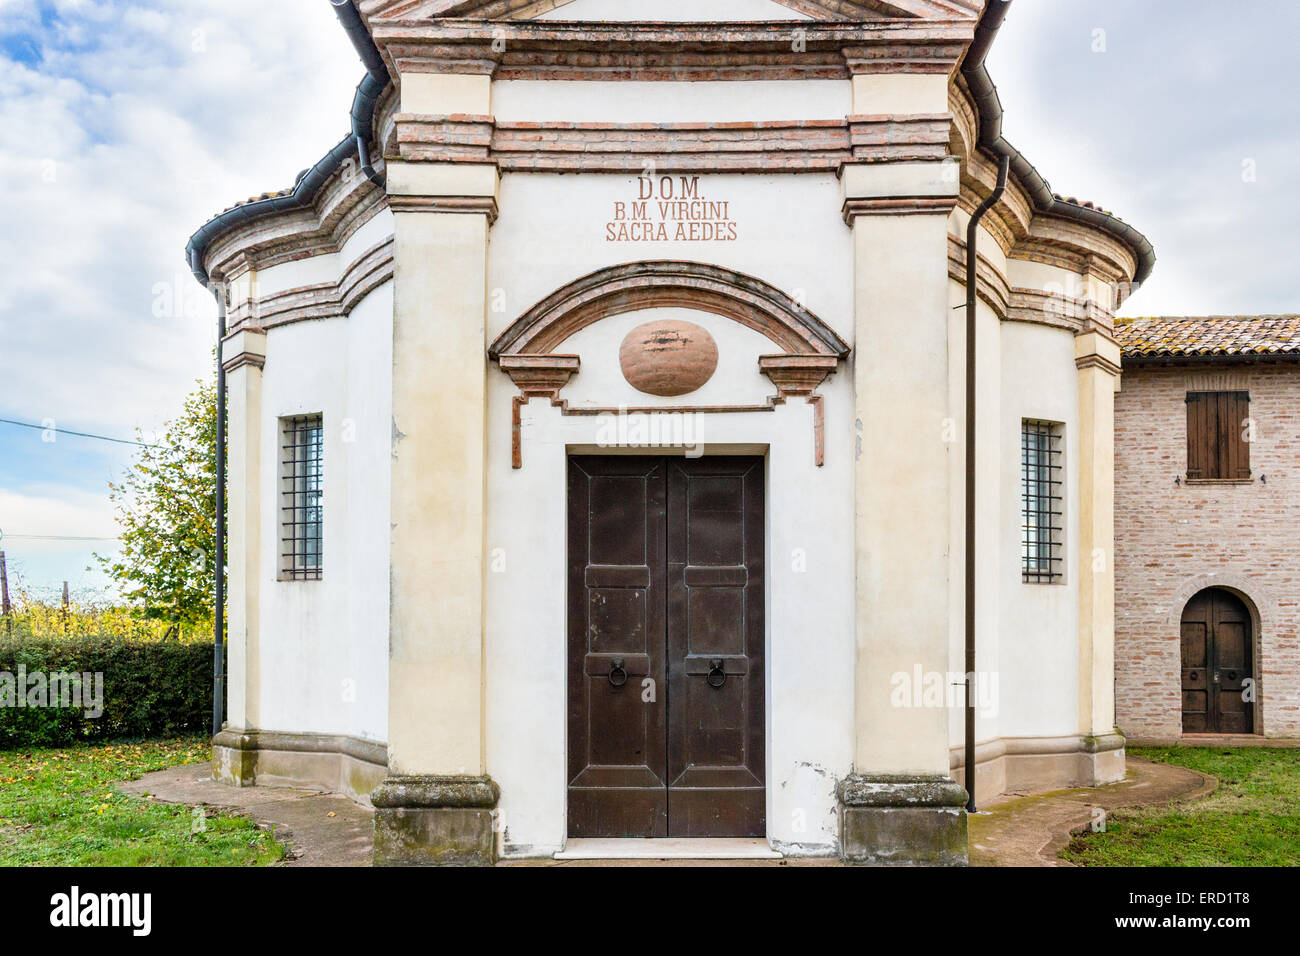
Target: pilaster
pixel 900 806
pixel 244 355
pixel 436 805
pixel 1097 358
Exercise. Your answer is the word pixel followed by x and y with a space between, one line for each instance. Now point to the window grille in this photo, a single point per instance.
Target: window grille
pixel 301 493
pixel 1042 514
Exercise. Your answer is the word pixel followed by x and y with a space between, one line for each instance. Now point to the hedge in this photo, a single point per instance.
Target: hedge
pixel 149 690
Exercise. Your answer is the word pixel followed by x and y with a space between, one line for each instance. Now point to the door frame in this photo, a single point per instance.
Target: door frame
pixel 761 451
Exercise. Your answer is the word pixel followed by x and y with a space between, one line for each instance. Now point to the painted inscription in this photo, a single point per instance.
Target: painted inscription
pixel 670 209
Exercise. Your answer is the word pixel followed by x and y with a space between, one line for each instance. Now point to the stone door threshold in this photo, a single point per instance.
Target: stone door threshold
pixel 754 848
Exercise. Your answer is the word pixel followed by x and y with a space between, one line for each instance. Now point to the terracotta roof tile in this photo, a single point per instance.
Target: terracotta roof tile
pixel 1209 335
pixel 252 199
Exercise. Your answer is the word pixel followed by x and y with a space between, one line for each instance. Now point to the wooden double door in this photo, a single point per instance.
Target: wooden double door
pixel 665 683
pixel 1217 661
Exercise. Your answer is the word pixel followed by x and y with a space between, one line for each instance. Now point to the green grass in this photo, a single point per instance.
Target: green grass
pixel 1252 819
pixel 61 807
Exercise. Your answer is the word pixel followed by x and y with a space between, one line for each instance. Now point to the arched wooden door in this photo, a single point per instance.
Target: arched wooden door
pixel 1218 669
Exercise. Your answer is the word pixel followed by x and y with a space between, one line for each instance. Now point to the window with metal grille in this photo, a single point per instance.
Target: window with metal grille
pixel 301 491
pixel 1041 512
pixel 1218 446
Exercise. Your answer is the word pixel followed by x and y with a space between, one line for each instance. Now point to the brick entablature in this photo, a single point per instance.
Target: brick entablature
pixel 1173 539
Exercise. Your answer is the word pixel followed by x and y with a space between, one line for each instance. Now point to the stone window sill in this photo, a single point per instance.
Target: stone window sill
pixel 1218 481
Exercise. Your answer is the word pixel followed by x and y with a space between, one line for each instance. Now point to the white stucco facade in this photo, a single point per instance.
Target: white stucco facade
pixel 459 321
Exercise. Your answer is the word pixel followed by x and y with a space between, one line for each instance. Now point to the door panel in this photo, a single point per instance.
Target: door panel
pixel 666 582
pixel 1232 664
pixel 1217 660
pixel 716 759
pixel 617 743
pixel 1196 677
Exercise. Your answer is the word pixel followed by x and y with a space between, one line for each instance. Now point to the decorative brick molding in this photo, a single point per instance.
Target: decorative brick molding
pixel 413 40
pixel 776 146
pixel 324 300
pixel 897 206
pixel 811 350
pixel 851 10
pixel 668 283
pixel 345 204
pixel 799 375
pixel 990 284
pixel 536 376
pixel 1258 597
pixel 465 205
pixel 244 360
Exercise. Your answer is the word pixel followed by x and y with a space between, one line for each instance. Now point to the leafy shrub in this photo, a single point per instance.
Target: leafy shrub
pixel 150 689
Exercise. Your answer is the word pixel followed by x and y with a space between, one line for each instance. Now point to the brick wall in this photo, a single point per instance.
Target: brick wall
pixel 1172 540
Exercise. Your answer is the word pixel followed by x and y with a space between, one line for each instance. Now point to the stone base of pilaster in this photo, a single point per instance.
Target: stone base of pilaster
pixel 891 820
pixel 1103 757
pixel 234 758
pixel 435 821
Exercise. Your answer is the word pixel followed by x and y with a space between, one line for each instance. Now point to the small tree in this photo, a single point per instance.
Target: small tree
pixel 166 509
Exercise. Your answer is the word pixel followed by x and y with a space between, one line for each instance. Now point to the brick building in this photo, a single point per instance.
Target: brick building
pixel 1207 559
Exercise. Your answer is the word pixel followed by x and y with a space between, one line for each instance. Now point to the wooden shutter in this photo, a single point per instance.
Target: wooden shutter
pixel 1199 445
pixel 1216 448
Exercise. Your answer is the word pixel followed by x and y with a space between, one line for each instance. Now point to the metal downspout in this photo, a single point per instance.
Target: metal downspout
pixel 219 561
pixel 972 232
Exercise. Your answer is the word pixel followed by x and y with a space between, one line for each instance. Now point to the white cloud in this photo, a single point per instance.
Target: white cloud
pixel 139 122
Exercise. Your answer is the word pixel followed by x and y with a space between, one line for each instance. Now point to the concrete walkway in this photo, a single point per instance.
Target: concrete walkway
pixel 319 829
pixel 1032 830
pixel 326 829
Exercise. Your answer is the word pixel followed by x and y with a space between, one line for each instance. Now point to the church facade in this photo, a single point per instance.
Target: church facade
pixel 597 447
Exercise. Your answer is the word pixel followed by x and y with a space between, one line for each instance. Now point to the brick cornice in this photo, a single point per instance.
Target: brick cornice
pixel 834 10
pixel 773 146
pixel 322 300
pixel 556 49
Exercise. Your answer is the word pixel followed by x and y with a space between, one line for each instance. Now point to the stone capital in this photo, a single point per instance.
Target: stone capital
pixel 924 187
pixel 1093 348
pixel 246 348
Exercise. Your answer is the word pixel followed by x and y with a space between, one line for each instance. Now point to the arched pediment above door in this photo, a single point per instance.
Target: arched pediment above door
pixel 634 286
pixel 810 350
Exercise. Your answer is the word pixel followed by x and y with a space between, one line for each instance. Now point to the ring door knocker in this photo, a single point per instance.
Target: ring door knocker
pixel 618 673
pixel 717 676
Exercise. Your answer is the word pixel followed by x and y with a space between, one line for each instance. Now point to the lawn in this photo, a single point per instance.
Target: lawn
pixel 1252 819
pixel 61 807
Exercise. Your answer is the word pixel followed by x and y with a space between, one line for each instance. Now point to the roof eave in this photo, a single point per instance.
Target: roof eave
pixel 988 108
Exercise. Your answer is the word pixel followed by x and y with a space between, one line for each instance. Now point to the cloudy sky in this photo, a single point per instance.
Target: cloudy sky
pixel 124 124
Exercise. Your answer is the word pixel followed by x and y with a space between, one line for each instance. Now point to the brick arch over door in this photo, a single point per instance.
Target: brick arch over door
pixel 1260 605
pixel 1258 599
pixel 667 283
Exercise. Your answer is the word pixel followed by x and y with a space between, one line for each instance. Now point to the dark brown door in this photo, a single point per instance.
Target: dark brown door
pixel 1217 663
pixel 666 712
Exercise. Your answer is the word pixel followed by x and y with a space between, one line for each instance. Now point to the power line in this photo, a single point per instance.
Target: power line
pixel 60 537
pixel 66 431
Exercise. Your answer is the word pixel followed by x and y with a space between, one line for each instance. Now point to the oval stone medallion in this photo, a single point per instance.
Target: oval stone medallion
pixel 668 357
